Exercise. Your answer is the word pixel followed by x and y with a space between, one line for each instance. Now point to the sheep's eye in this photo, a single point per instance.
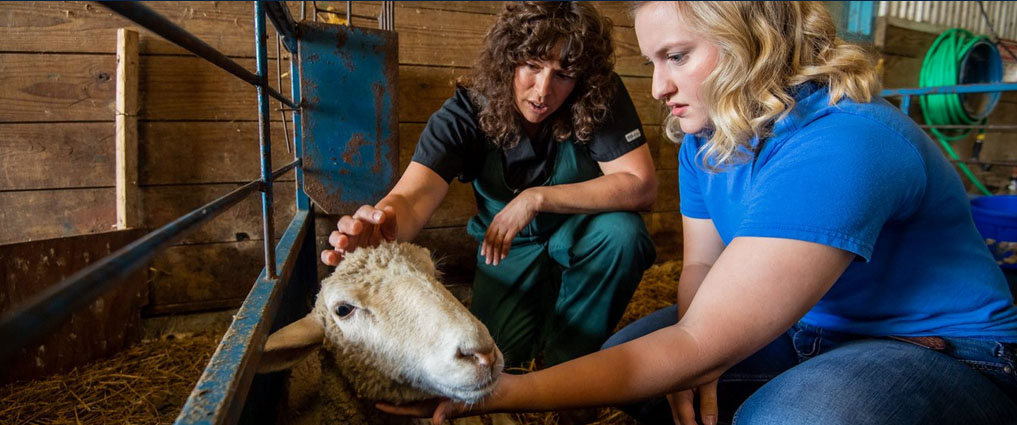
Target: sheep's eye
pixel 343 310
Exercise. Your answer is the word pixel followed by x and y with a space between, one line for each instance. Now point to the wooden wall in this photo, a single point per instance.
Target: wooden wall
pixel 198 132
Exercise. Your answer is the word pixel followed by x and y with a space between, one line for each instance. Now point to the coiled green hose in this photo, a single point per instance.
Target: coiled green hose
pixel 942 68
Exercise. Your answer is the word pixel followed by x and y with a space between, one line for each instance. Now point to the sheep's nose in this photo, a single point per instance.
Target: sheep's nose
pixel 482 356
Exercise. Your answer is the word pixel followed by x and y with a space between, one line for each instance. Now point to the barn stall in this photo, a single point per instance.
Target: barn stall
pixel 193 142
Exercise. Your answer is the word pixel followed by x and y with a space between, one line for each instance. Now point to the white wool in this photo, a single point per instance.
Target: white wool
pixel 408 338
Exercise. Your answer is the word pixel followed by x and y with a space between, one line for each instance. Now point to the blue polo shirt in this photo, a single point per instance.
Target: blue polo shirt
pixel 864 178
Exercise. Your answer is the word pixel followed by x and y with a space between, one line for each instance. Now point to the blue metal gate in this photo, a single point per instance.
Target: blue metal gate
pixel 365 140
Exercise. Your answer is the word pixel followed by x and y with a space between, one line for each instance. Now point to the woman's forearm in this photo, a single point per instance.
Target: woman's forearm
pixel 692 276
pixel 612 192
pixel 637 370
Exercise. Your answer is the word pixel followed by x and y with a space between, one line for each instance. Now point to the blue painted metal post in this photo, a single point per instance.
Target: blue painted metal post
pixel 261 60
pixel 860 18
pixel 303 202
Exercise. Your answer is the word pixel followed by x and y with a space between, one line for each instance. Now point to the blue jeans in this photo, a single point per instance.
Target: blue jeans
pixel 813 376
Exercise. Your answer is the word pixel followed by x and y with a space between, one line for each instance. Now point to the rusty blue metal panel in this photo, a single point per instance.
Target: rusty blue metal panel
pixel 350 128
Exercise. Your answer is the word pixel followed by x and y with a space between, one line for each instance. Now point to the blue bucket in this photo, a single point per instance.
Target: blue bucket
pixel 996 219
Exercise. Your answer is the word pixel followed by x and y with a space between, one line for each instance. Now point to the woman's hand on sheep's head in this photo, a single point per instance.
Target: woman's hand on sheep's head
pixel 366 227
pixel 437 409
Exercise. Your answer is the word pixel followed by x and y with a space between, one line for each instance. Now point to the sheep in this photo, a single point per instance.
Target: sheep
pixel 390 332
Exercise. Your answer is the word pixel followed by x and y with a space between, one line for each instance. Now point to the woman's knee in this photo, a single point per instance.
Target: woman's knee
pixel 877 382
pixel 620 232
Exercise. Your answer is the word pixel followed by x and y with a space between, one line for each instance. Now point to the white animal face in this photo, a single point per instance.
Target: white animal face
pixel 387 302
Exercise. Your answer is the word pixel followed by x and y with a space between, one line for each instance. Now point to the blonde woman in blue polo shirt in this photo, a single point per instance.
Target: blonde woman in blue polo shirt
pixel 832 272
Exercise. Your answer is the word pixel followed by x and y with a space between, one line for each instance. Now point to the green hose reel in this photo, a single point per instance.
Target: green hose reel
pixel 959 57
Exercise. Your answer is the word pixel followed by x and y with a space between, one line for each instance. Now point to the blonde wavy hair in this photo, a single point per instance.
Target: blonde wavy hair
pixel 766 48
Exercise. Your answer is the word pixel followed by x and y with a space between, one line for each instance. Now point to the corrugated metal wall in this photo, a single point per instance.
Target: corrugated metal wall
pixel 963 14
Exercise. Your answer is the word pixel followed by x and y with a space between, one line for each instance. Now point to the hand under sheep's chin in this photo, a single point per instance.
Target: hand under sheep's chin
pixel 470 395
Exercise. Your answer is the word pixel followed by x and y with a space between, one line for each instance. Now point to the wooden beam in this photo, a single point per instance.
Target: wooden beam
pixel 127 129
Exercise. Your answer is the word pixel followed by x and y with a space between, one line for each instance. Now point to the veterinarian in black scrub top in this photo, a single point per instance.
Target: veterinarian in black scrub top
pixel 547 134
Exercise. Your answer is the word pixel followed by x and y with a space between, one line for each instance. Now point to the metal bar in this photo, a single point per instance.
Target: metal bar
pixel 983 162
pixel 217 397
pixel 156 23
pixel 989 127
pixel 47 310
pixel 282 20
pixel 265 136
pixel 282 170
pixel 966 88
pixel 303 202
pixel 278 78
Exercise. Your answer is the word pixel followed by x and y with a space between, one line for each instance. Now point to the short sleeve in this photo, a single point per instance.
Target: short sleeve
pixel 691 202
pixel 836 182
pixel 621 131
pixel 451 140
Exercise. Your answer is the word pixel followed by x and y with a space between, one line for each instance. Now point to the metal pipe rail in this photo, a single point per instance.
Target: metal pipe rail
pixel 158 24
pixel 905 103
pixel 48 309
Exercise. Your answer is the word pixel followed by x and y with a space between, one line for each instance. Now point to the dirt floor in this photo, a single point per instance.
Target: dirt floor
pixel 148 383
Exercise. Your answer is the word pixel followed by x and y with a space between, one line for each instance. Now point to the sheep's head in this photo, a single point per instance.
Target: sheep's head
pixel 385 307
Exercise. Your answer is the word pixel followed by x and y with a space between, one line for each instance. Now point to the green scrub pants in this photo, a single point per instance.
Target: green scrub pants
pixel 567 278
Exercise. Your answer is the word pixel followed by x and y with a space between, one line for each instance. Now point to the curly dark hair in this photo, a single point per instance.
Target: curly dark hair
pixel 579 35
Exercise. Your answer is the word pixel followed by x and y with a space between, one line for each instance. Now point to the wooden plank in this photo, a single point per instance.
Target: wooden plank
pixel 899 40
pixel 205 152
pixel 32 215
pixel 37 88
pixel 49 156
pixel 76 155
pixel 242 222
pixel 204 274
pixel 617 11
pixel 650 110
pixel 177 88
pixel 85 27
pixel 44 214
pixel 452 33
pixel 127 129
pixel 422 90
pixel 667 191
pixel 110 324
pixel 189 88
pixel 663 150
pixel 666 232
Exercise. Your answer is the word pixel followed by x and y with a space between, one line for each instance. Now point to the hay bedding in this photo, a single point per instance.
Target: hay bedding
pixel 145 384
pixel 149 383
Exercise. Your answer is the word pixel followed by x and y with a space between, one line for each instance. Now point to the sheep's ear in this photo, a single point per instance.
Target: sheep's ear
pixel 421 257
pixel 287 346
